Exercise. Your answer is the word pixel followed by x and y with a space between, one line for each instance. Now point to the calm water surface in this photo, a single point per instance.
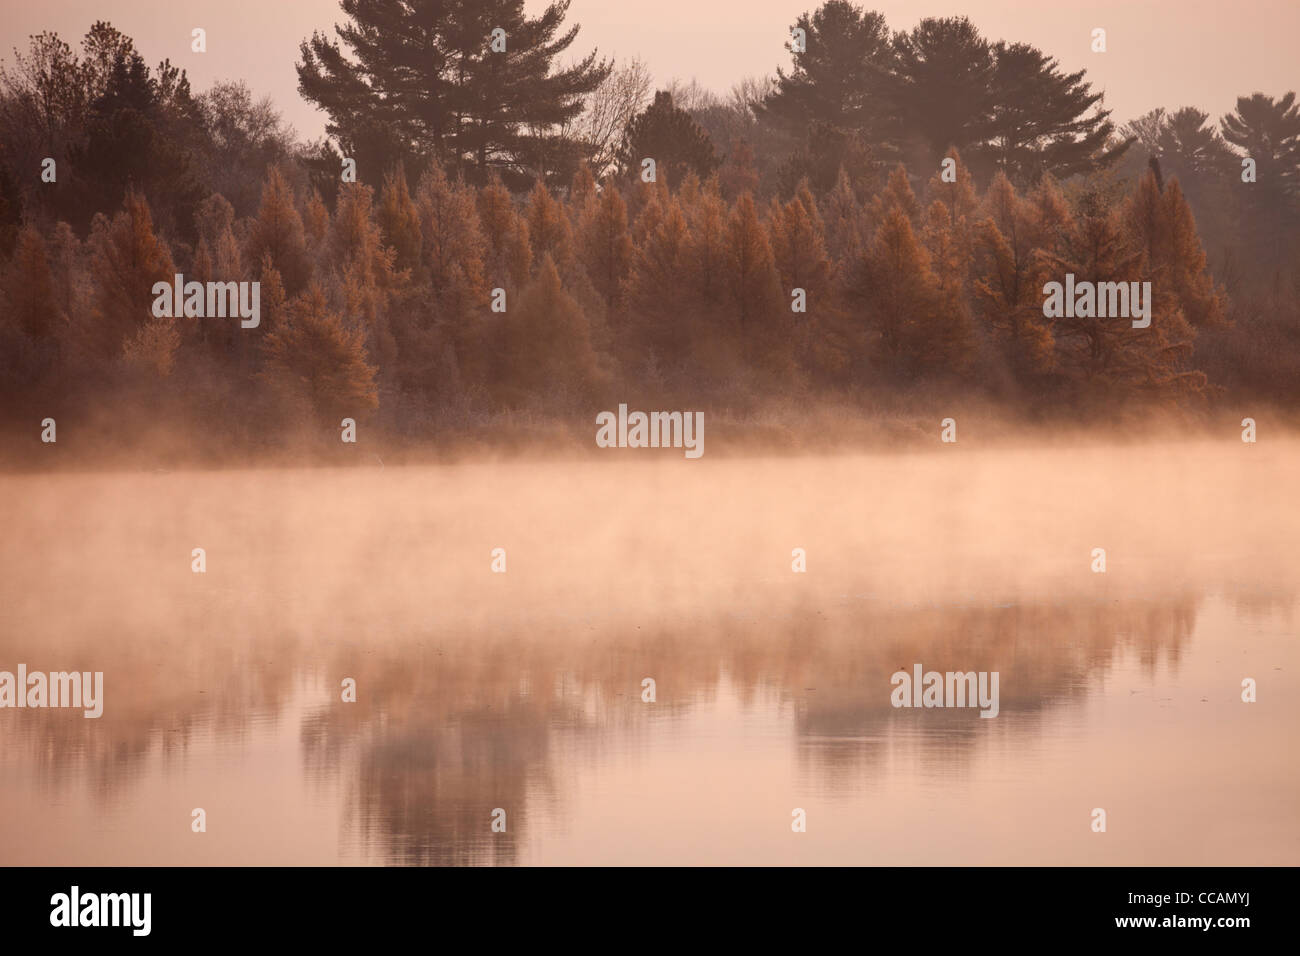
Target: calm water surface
pixel 522 690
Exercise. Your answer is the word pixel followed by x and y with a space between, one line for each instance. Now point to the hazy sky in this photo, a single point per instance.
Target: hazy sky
pixel 1160 52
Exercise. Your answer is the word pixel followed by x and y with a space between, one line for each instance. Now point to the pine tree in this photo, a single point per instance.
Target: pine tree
pixel 1042 121
pixel 1267 130
pixel 420 77
pixel 843 78
pixel 672 138
pixel 825 153
pixel 945 92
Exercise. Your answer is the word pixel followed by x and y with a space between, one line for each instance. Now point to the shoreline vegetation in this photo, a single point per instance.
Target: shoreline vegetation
pixel 825 261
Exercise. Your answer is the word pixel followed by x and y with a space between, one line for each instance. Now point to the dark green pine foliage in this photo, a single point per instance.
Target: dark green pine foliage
pixel 1046 121
pixel 672 138
pixel 420 78
pixel 844 78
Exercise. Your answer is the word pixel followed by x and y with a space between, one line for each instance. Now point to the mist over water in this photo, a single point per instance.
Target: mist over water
pixel 522 690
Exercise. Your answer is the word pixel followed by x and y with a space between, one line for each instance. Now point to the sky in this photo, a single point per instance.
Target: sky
pixel 1168 53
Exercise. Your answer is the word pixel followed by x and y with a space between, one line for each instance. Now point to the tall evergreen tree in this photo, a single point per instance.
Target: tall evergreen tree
pixel 1046 121
pixel 1267 130
pixel 420 77
pixel 945 91
pixel 844 76
pixel 672 138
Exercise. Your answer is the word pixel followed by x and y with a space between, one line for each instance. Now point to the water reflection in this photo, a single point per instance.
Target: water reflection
pixel 526 695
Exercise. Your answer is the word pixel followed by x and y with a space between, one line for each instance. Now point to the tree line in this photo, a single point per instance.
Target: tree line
pixel 880 218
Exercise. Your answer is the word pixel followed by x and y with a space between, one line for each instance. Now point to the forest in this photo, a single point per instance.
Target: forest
pixel 477 250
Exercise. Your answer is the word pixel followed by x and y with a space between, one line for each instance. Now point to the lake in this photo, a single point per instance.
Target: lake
pixel 522 691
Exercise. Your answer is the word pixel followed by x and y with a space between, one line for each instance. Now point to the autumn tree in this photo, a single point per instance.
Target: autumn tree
pixel 364 272
pixel 754 300
pixel 547 344
pixel 127 259
pixel 598 130
pixel 1165 228
pixel 399 220
pixel 548 228
pixel 509 253
pixel 897 194
pixel 217 259
pixel 29 287
pixel 659 302
pixel 912 332
pixel 1010 242
pixel 844 219
pixel 799 252
pixel 277 232
pixel 313 354
pixel 1104 357
pixel 605 246
pixel 453 249
pixel 708 251
pixel 245 135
